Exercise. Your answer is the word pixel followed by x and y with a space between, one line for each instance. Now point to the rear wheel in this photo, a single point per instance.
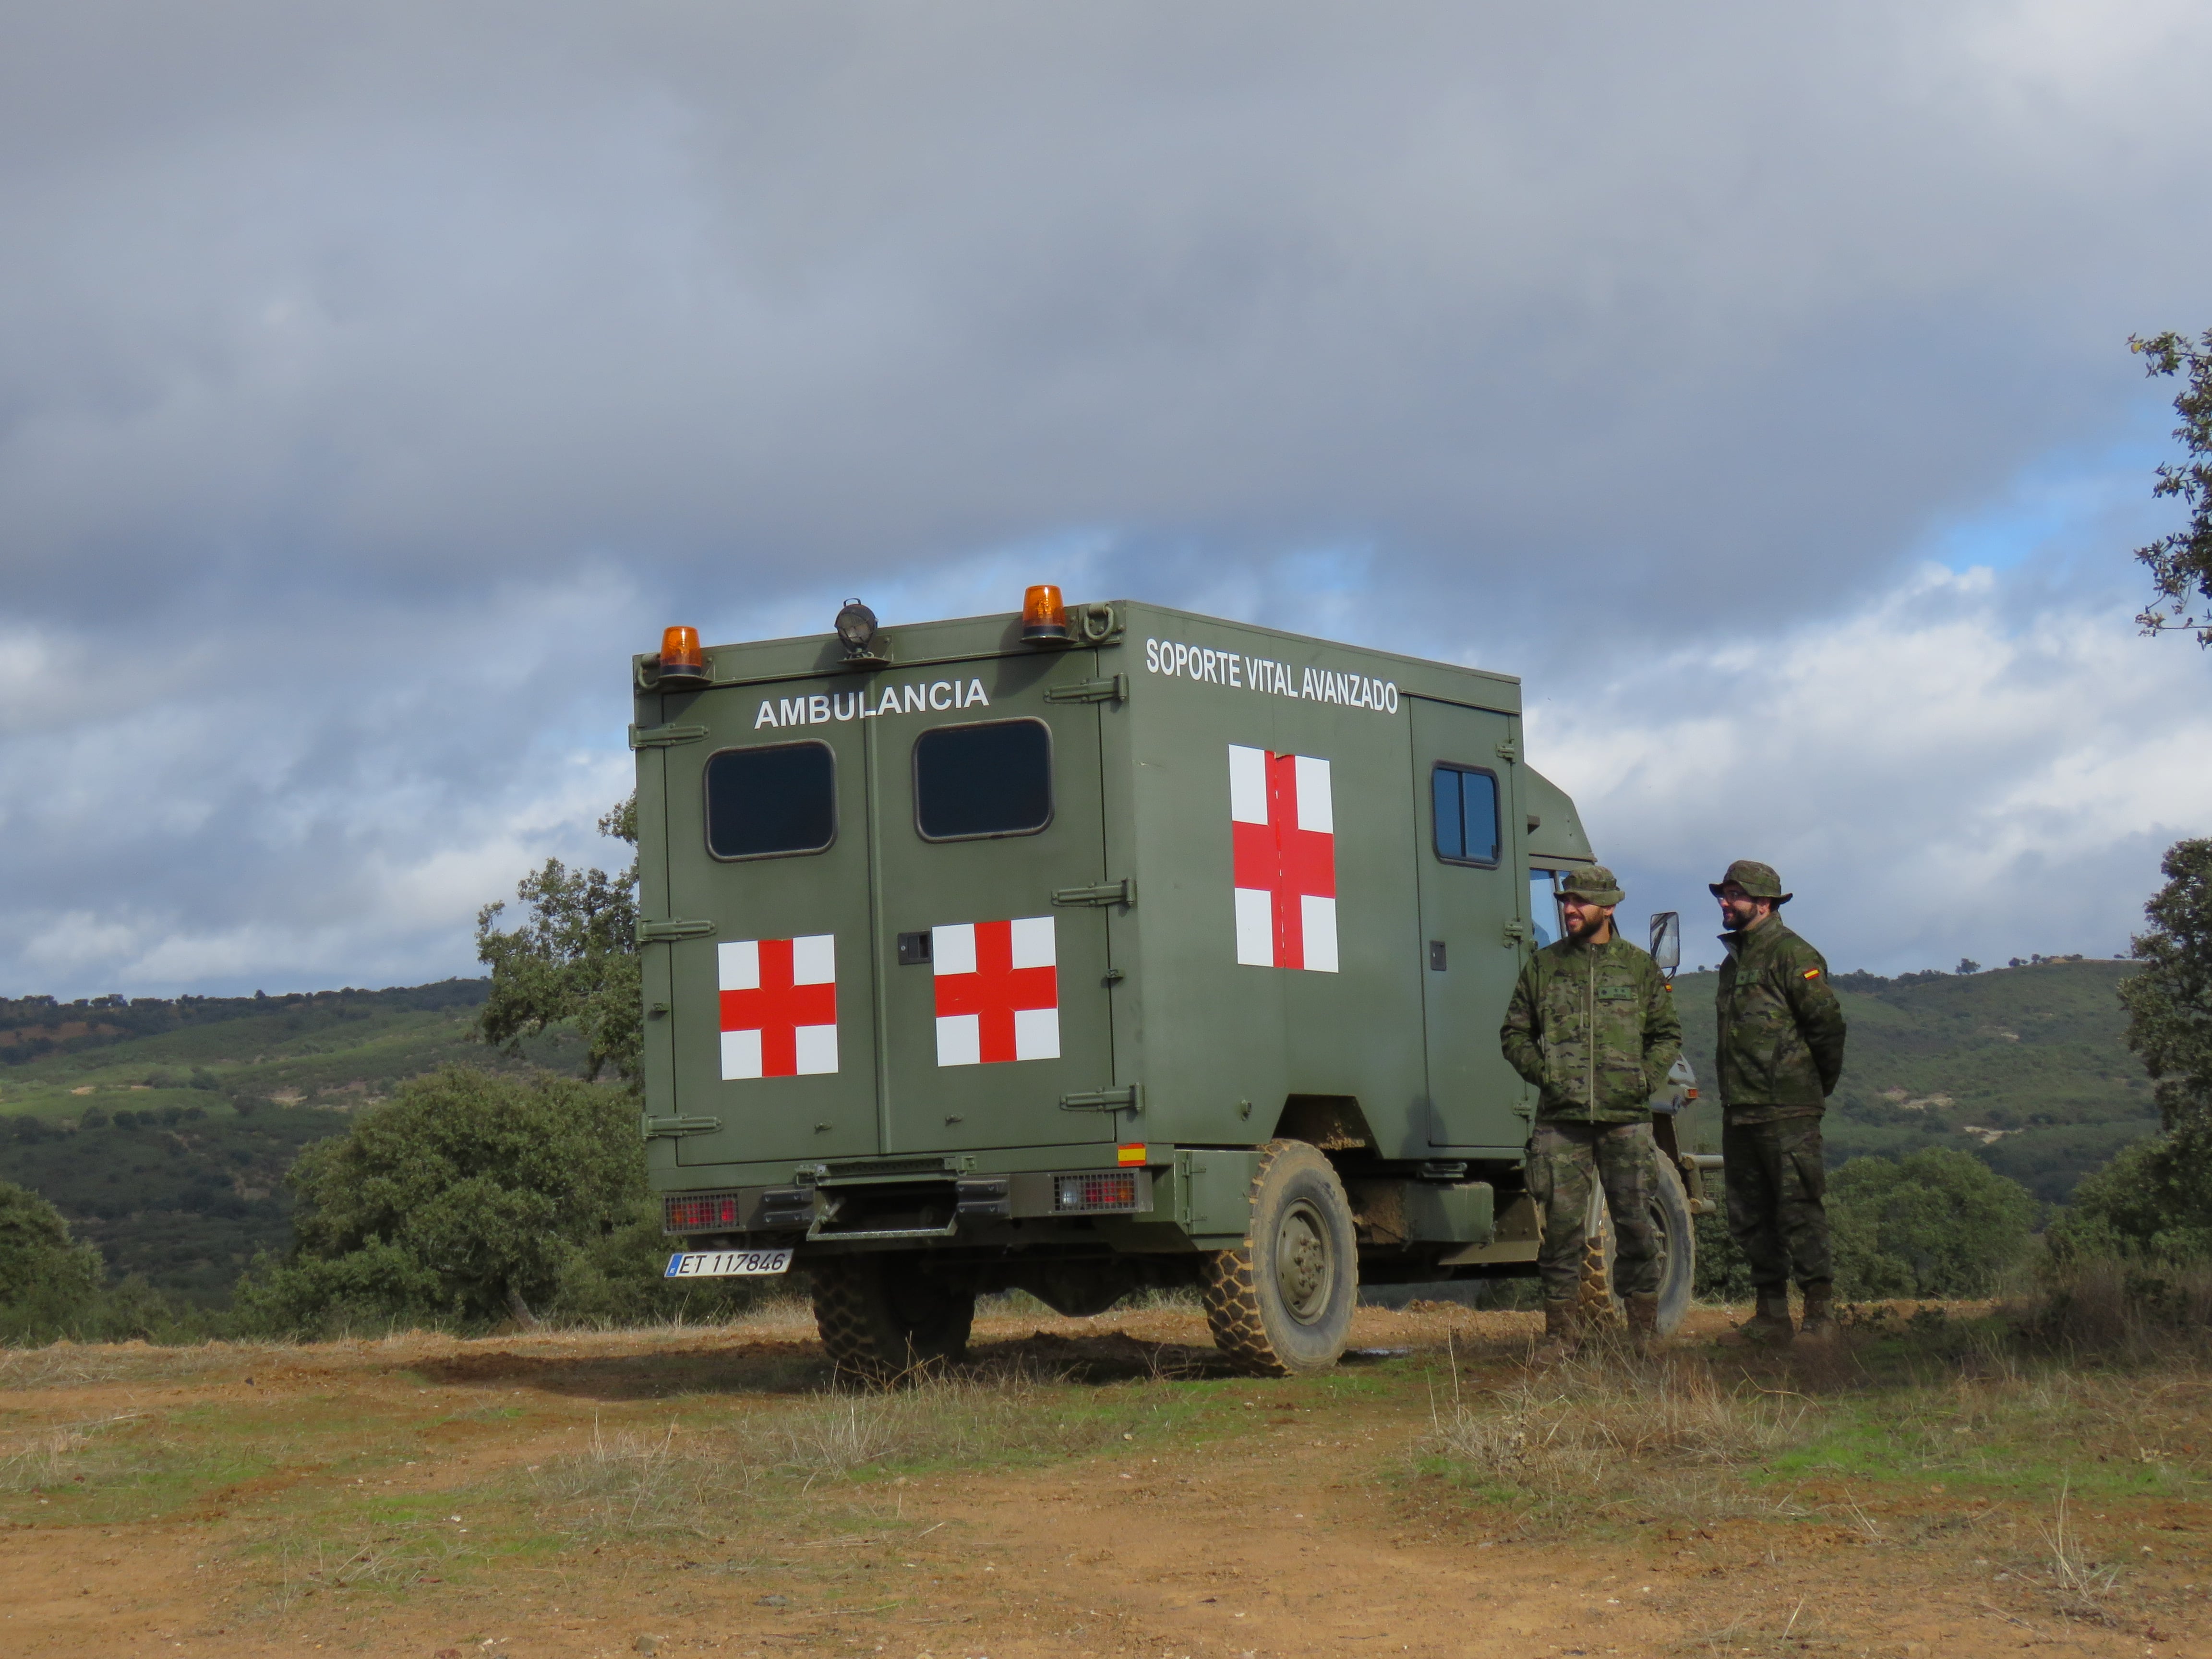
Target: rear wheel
pixel 1280 1303
pixel 883 1318
pixel 1678 1254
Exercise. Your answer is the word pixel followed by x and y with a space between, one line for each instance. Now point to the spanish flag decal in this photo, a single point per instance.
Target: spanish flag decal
pixel 1130 1155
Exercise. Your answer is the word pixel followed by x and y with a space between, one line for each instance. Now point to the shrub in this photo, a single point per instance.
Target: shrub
pixel 49 1283
pixel 1939 1223
pixel 465 1197
pixel 2153 1201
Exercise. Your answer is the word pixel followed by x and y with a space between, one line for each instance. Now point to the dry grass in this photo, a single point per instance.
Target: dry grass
pixel 44 1458
pixel 2077 1584
pixel 1658 1437
pixel 2129 1312
pixel 689 1480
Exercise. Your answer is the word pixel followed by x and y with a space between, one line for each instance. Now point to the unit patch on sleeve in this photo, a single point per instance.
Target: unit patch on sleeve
pixel 779 1005
pixel 1282 830
pixel 998 991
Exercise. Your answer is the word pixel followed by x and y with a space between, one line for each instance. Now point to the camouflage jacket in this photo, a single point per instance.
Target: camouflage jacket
pixel 1781 1029
pixel 1593 1027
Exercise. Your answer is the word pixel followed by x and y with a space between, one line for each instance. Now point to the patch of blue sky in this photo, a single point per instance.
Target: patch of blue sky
pixel 2070 501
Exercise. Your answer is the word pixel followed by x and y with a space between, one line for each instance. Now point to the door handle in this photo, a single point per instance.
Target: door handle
pixel 1122 892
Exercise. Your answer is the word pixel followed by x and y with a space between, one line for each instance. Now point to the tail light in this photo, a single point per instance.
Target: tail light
pixel 699 1212
pixel 1093 1191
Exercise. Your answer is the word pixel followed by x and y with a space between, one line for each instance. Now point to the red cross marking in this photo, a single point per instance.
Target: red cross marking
pixel 997 989
pixel 778 1008
pixel 1287 862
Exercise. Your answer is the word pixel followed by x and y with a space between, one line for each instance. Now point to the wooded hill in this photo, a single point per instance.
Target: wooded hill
pixel 162 1129
pixel 2025 1068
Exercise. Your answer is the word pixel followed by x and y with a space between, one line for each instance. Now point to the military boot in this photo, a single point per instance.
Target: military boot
pixel 1563 1333
pixel 1770 1327
pixel 1819 1321
pixel 1644 1325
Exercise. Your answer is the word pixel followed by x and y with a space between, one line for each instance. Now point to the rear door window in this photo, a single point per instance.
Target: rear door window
pixel 990 779
pixel 768 802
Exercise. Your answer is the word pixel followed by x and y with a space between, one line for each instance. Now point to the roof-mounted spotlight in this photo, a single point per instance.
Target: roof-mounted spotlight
pixel 857 633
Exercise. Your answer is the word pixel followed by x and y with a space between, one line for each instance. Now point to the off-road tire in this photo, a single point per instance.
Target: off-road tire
pixel 1280 1303
pixel 1677 1258
pixel 886 1319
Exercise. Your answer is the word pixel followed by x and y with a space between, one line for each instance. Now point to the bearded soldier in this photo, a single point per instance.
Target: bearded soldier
pixel 1780 1051
pixel 1592 1025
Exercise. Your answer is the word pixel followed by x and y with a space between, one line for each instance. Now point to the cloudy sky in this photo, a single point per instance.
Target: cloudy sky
pixel 1751 379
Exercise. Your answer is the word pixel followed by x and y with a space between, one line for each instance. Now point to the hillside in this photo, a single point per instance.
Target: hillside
pixel 2024 1067
pixel 162 1130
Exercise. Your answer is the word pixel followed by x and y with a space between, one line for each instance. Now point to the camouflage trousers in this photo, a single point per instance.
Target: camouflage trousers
pixel 1566 1163
pixel 1775 1183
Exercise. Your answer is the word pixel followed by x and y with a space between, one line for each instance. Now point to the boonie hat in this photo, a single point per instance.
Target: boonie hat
pixel 1595 884
pixel 1758 881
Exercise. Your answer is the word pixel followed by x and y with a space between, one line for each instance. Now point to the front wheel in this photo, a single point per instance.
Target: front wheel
pixel 1280 1303
pixel 885 1318
pixel 1677 1253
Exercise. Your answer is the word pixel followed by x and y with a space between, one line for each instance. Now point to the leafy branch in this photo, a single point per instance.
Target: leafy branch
pixel 2181 564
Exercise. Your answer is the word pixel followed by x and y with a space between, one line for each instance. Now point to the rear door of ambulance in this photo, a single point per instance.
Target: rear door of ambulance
pixel 765 1018
pixel 993 883
pixel 877 858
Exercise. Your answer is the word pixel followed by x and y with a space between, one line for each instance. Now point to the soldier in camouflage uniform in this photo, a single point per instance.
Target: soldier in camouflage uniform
pixel 1592 1025
pixel 1780 1051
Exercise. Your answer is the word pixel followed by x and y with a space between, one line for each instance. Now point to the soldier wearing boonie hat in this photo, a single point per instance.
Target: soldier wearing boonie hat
pixel 1779 1051
pixel 1592 1025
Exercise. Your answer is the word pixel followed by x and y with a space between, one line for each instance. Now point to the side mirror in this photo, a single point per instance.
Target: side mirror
pixel 1667 940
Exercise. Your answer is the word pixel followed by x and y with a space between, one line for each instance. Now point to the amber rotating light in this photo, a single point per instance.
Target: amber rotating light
pixel 1044 619
pixel 683 664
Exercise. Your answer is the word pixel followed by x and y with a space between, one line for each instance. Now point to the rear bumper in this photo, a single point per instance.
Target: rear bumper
pixel 887 1208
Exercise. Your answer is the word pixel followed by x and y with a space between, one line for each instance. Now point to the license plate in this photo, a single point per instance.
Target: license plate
pixel 727 1264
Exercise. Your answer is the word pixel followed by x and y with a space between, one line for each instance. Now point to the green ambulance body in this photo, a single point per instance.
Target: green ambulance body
pixel 1169 953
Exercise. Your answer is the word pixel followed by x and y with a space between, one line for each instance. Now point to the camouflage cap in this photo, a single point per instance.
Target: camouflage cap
pixel 1594 883
pixel 1758 881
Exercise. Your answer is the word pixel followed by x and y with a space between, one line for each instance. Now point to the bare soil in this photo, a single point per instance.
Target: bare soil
pixel 392 1498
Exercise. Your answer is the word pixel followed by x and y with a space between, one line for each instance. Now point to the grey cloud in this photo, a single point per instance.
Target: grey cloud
pixel 341 331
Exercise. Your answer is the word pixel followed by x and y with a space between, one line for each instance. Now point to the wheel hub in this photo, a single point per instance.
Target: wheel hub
pixel 1305 1273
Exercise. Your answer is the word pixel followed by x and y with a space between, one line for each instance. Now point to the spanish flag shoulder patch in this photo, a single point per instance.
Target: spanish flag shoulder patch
pixel 1811 973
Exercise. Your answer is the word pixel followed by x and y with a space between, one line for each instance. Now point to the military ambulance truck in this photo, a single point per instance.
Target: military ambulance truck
pixel 1084 949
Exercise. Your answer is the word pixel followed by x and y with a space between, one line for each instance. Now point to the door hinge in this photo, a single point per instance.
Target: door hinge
pixel 658 932
pixel 1123 891
pixel 654 1127
pixel 1115 690
pixel 664 737
pixel 1515 932
pixel 1131 1099
pixel 1508 749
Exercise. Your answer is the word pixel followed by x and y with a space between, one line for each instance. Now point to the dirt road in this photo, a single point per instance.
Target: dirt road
pixel 1101 1488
